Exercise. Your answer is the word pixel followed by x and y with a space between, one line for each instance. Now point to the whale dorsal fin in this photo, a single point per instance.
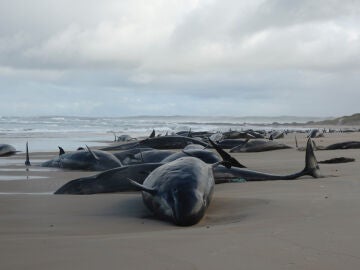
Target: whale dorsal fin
pixel 189 133
pixel 92 153
pixel 61 151
pixel 152 191
pixel 152 135
pixel 27 161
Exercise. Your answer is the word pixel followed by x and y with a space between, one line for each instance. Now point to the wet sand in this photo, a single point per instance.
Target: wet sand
pixel 299 224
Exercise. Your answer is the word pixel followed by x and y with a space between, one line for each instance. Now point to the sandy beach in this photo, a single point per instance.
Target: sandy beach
pixel 299 224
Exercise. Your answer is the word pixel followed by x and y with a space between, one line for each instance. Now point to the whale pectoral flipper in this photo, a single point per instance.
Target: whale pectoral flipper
pixel 92 153
pixel 246 141
pixel 142 187
pixel 227 158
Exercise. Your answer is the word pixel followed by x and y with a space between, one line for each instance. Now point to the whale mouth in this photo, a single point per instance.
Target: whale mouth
pixel 188 207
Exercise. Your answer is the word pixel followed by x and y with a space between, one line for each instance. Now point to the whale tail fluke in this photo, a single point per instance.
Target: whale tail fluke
pixel 27 160
pixel 314 145
pixel 311 164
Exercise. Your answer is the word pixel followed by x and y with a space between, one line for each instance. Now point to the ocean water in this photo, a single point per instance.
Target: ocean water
pixel 46 133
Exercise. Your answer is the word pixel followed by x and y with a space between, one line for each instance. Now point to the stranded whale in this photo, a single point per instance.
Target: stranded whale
pixel 114 180
pixel 91 160
pixel 179 191
pixel 224 175
pixel 6 150
pixel 164 142
pixel 259 146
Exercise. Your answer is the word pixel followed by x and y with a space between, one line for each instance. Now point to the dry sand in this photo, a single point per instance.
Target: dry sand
pixel 302 224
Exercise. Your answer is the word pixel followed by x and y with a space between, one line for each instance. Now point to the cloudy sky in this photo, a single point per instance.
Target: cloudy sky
pixel 183 57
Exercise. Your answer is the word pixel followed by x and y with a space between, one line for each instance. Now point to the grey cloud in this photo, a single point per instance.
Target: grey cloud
pixel 271 34
pixel 179 57
pixel 161 38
